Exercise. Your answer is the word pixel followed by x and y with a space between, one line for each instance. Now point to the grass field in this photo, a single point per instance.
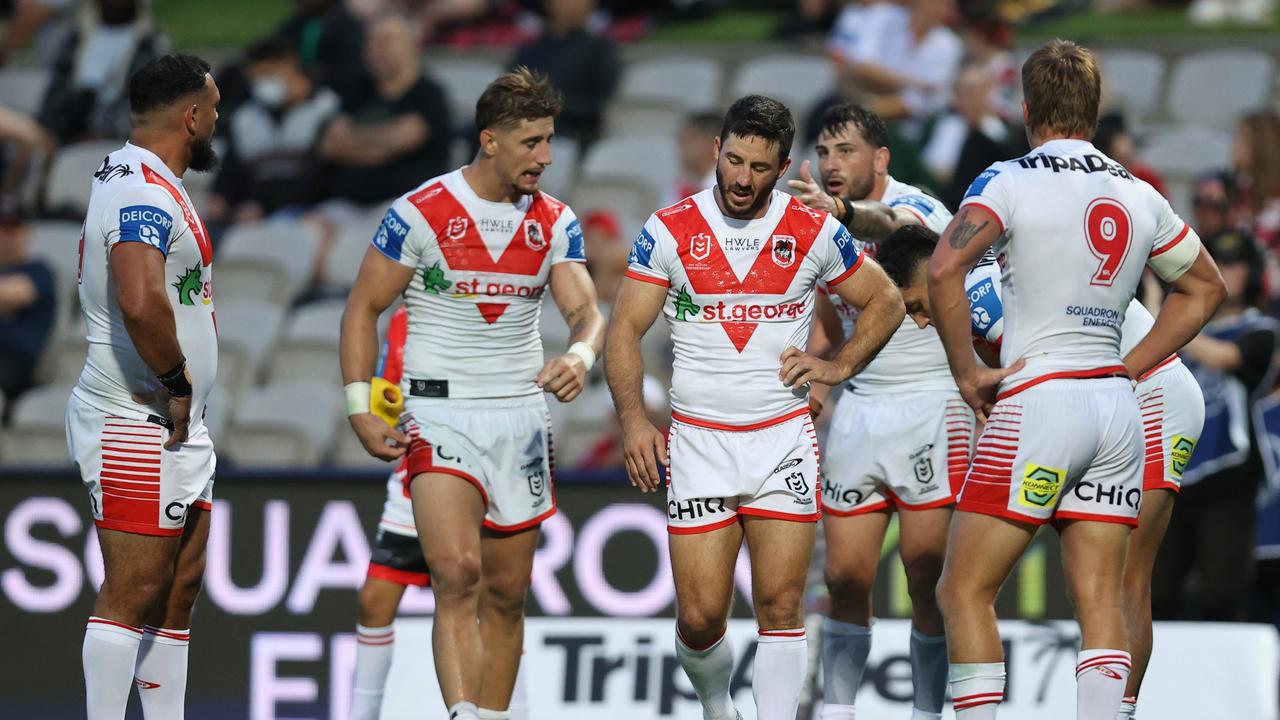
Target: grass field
pixel 225 24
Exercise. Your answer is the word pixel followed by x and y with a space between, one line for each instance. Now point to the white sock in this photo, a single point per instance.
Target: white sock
pixel 928 674
pixel 1101 675
pixel 845 647
pixel 110 650
pixel 710 671
pixel 1128 708
pixel 519 705
pixel 778 676
pixel 976 689
pixel 487 714
pixel 374 647
pixel 464 711
pixel 161 673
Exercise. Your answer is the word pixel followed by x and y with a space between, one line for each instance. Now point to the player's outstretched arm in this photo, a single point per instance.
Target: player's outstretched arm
pixel 880 312
pixel 868 220
pixel 1191 302
pixel 575 294
pixel 973 230
pixel 637 306
pixel 379 282
pixel 138 271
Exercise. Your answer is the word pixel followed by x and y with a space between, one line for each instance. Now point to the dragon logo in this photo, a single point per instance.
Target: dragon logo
pixel 433 279
pixel 684 304
pixel 188 285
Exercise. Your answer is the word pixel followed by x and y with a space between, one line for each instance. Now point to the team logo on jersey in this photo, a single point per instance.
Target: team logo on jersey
pixel 146 223
pixel 685 306
pixel 784 250
pixel 642 249
pixel 980 183
pixel 456 228
pixel 188 284
pixel 815 214
pixel 922 464
pixel 797 483
pixel 1180 449
pixel 700 246
pixel 390 235
pixel 533 236
pixel 1040 486
pixel 433 280
pixel 109 172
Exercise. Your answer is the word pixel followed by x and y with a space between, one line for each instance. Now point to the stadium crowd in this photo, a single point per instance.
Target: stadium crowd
pixel 322 126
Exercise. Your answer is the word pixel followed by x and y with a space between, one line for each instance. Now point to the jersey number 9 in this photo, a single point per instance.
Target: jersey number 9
pixel 1109 231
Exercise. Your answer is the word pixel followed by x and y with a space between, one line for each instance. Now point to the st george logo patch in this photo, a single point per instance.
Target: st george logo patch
pixel 533 236
pixel 784 250
pixel 1040 486
pixel 1180 449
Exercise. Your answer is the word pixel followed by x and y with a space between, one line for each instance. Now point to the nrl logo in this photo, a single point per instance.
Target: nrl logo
pixel 784 250
pixel 533 236
pixel 456 229
pixel 700 246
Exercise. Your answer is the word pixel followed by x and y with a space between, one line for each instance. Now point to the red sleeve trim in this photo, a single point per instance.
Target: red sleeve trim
pixel 984 206
pixel 646 278
pixel 1172 243
pixel 845 275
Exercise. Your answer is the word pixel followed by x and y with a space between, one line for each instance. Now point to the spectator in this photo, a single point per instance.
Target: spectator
pixel 27 305
pixel 970 137
pixel 1210 534
pixel 1115 142
pixel 87 95
pixel 329 41
pixel 697 155
pixel 988 40
pixel 583 66
pixel 607 249
pixel 21 141
pixel 271 164
pixel 903 61
pixel 395 133
pixel 1255 157
pixel 47 21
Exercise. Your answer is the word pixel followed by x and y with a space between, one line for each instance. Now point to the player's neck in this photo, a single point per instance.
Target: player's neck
pixel 1038 140
pixel 877 189
pixel 761 212
pixel 485 183
pixel 173 152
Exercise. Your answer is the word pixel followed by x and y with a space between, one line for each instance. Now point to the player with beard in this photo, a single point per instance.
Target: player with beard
pixel 472 252
pixel 135 421
pixel 900 437
pixel 734 271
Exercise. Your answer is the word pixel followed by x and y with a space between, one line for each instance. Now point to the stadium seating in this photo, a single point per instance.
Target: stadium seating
pixel 247 333
pixel 1214 87
pixel 23 89
pixel 270 260
pixel 71 175
pixel 37 433
pixel 290 424
pixel 797 80
pixel 1184 151
pixel 563 171
pixel 629 198
pixel 463 80
pixel 657 118
pixel 1134 80
pixel 688 82
pixel 649 161
pixel 343 263
pixel 308 349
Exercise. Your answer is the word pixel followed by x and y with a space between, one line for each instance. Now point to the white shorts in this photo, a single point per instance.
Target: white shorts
pixel 717 475
pixel 135 485
pixel 1062 449
pixel 908 450
pixel 397 511
pixel 1172 418
pixel 502 446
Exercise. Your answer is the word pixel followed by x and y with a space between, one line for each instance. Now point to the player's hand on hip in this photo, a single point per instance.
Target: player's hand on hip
pixel 818 394
pixel 644 448
pixel 563 376
pixel 374 434
pixel 809 192
pixel 800 368
pixel 979 387
pixel 179 419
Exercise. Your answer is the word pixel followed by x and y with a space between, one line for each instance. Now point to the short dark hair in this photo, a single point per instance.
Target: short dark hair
pixel 521 94
pixel 165 80
pixel 762 117
pixel 271 48
pixel 837 118
pixel 903 251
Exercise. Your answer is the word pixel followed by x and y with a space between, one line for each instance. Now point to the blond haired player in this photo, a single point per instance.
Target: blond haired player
pixel 1072 231
pixel 473 252
pixel 734 271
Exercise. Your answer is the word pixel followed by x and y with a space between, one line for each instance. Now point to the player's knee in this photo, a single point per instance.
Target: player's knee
pixel 848 578
pixel 456 574
pixel 186 586
pixel 922 583
pixel 377 607
pixel 136 594
pixel 953 594
pixel 506 593
pixel 780 608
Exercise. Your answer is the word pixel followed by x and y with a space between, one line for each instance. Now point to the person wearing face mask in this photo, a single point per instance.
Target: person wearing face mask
pixel 271 165
pixel 87 95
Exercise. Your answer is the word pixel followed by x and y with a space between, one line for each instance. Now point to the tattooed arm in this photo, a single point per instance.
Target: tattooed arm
pixel 872 221
pixel 575 295
pixel 973 230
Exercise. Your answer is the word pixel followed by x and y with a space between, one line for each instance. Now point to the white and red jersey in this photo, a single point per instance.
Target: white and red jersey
pixel 137 198
pixel 914 358
pixel 397 512
pixel 1077 229
pixel 740 293
pixel 481 268
pixel 986 315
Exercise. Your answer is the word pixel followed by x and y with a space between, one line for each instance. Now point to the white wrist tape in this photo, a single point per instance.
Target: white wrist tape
pixel 585 352
pixel 358 394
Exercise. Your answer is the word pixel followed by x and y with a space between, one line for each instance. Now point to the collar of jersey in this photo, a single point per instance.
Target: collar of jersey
pixel 457 183
pixel 154 162
pixel 721 223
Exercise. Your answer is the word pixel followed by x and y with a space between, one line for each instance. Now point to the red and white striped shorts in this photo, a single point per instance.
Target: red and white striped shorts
pixel 1172 417
pixel 134 484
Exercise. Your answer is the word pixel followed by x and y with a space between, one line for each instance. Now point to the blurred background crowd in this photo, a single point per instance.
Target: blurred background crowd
pixel 331 108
